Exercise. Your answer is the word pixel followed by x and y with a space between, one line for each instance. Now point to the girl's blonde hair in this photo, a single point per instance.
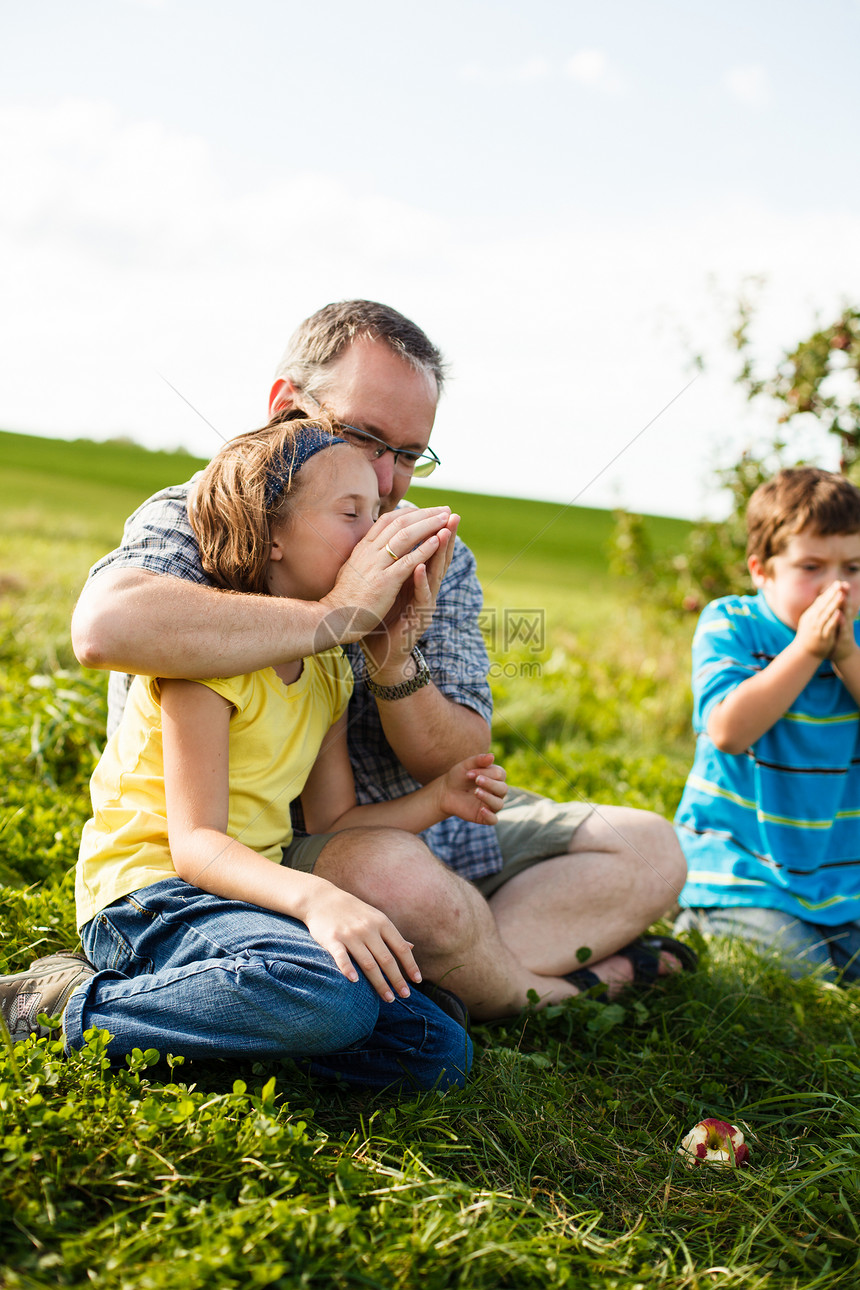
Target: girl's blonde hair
pixel 247 490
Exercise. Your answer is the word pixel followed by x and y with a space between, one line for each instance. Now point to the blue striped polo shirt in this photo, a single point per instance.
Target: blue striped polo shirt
pixel 777 826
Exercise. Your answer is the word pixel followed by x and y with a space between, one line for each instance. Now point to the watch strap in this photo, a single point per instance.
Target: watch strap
pixel 400 691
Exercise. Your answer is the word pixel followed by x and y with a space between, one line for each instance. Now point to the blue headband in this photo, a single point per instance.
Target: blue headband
pixel 307 443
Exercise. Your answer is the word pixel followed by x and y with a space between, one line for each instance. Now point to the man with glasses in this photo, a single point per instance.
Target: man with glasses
pixel 493 914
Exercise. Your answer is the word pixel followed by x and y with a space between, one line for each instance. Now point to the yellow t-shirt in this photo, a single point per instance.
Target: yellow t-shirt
pixel 276 731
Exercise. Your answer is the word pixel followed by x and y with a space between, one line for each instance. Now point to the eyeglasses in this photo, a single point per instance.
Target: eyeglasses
pixel 421 464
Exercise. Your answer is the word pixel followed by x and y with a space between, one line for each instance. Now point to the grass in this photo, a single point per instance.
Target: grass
pixel 527 549
pixel 557 1165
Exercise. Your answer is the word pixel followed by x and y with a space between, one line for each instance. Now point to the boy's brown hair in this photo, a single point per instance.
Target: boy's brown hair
pixel 798 499
pixel 247 490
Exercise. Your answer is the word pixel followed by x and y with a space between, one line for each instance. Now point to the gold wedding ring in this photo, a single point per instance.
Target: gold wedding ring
pixel 391 553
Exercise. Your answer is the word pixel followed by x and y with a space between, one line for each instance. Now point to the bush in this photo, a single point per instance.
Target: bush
pixel 819 382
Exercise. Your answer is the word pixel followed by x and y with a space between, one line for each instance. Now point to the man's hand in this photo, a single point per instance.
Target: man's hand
pixel 473 790
pixel 372 579
pixel 356 934
pixel 821 629
pixel 387 649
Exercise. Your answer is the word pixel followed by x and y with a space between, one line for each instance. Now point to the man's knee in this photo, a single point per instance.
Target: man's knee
pixel 396 872
pixel 664 851
pixel 366 862
pixel 648 845
pixel 660 862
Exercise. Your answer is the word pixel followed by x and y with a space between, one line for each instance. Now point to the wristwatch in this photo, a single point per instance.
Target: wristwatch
pixel 416 682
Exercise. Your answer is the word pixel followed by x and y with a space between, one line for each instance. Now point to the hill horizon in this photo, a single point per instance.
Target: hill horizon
pixel 121 443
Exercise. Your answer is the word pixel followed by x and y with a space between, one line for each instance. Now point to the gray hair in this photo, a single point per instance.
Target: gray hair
pixel 323 337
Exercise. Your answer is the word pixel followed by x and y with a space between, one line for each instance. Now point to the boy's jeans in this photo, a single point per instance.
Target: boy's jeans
pixel 194 974
pixel 805 948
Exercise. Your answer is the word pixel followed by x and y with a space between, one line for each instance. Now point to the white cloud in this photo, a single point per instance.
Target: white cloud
pixel 591 67
pixel 532 69
pixel 126 250
pixel 473 73
pixel 130 251
pixel 749 85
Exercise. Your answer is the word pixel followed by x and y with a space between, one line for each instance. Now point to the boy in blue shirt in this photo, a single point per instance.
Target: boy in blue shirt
pixel 770 816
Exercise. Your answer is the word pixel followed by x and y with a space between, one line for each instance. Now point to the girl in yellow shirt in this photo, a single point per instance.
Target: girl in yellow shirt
pixel 203 940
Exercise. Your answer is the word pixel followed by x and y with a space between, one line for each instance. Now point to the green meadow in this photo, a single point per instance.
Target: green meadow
pixel 557 1166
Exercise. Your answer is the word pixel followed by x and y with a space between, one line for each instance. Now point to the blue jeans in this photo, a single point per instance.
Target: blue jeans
pixel 831 953
pixel 195 975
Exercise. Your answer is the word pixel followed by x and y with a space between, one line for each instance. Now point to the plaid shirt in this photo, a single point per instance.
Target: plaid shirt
pixel 158 537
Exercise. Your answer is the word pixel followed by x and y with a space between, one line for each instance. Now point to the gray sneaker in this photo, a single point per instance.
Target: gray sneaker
pixel 44 988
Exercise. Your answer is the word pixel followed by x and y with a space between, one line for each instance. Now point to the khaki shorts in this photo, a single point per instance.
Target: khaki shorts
pixel 529 829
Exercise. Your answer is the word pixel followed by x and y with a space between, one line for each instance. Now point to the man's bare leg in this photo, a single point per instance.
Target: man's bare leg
pixel 624 870
pixel 450 924
pixel 457 942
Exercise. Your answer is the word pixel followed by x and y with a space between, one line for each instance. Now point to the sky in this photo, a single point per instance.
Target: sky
pixel 568 197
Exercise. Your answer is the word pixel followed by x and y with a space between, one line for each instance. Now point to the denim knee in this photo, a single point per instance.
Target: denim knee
pixel 224 1009
pixel 188 972
pixel 413 1046
pixel 344 1012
